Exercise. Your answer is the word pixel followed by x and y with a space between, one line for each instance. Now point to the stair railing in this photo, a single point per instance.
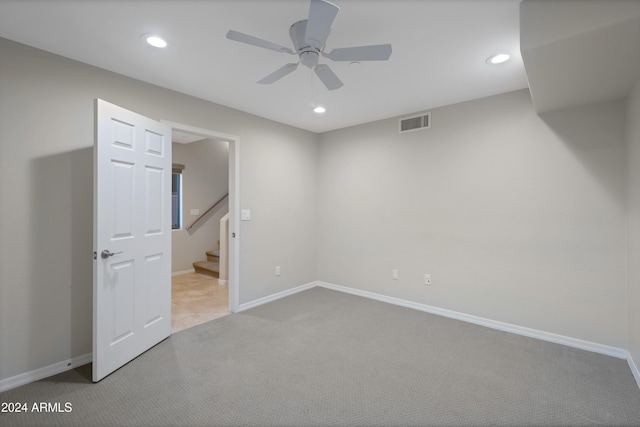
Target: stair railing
pixel 201 217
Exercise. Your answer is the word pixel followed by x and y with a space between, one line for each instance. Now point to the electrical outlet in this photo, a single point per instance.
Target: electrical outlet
pixel 427 279
pixel 277 270
pixel 394 274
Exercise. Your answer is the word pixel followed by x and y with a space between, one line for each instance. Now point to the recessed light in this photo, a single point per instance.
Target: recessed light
pixel 319 109
pixel 498 58
pixel 154 40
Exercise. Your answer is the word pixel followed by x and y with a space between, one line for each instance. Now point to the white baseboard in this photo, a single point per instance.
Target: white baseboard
pixel 634 368
pixel 223 282
pixel 56 368
pixel 44 372
pixel 276 296
pixel 178 273
pixel 494 324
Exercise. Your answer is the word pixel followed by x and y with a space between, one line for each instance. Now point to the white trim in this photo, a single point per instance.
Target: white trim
pixel 222 282
pixel 44 372
pixel 276 296
pixel 634 369
pixel 56 368
pixel 494 324
pixel 234 227
pixel 207 133
pixel 179 273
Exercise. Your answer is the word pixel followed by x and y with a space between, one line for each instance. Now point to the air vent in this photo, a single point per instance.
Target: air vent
pixel 409 124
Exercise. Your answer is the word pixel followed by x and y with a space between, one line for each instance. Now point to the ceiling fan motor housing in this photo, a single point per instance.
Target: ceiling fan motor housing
pixel 309 55
pixel 309 37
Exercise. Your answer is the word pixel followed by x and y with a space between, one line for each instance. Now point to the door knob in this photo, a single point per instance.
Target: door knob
pixel 106 254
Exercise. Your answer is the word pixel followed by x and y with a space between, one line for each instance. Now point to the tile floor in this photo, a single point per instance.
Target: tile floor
pixel 195 299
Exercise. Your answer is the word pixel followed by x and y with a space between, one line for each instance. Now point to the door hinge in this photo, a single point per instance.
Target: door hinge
pixel 95 255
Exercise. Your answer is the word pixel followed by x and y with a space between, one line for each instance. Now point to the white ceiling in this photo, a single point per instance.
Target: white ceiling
pixel 439 51
pixel 580 52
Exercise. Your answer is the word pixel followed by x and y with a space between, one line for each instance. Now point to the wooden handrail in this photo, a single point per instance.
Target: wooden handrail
pixel 207 211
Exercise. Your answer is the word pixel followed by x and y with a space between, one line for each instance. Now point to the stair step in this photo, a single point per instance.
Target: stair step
pixel 207 267
pixel 213 256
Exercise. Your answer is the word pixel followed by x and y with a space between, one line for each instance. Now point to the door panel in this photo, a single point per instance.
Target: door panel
pixel 153 285
pixel 132 223
pixel 121 195
pixel 154 181
pixel 122 298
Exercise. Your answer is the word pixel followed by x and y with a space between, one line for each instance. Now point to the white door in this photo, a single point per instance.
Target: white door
pixel 132 236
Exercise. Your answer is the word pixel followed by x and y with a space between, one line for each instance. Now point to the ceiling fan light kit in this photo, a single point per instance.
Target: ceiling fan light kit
pixel 309 37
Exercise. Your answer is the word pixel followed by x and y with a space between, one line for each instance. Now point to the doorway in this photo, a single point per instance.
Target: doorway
pixel 197 297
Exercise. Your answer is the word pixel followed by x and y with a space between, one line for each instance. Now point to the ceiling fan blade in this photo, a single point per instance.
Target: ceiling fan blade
pixel 330 80
pixel 321 17
pixel 379 52
pixel 255 41
pixel 279 73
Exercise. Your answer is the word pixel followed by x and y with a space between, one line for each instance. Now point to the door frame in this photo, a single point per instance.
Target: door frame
pixel 234 203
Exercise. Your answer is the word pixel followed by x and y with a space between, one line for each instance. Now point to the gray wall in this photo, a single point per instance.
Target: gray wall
pixel 633 135
pixel 205 180
pixel 518 218
pixel 46 167
pixel 283 215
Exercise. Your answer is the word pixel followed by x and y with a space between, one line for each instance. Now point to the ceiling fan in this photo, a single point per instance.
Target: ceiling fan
pixel 309 37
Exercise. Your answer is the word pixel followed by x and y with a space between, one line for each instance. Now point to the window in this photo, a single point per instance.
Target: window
pixel 176 197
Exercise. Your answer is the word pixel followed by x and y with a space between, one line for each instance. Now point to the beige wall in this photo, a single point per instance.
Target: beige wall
pixel 46 169
pixel 518 218
pixel 205 180
pixel 633 135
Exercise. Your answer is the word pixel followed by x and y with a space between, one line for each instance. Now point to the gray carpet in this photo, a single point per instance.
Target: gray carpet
pixel 322 357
